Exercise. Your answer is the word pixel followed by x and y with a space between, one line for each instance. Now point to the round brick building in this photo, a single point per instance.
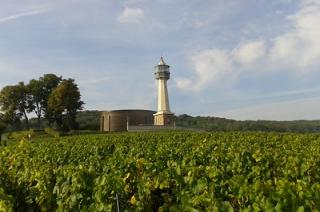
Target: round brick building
pixel 118 120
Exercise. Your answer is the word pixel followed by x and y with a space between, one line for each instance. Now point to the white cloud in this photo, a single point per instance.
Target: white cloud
pixel 23 14
pixel 295 51
pixel 299 48
pixel 249 52
pixel 131 16
pixel 208 65
pixel 184 84
pixel 310 2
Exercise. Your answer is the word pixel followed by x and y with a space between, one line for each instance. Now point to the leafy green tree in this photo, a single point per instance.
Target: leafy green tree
pixel 3 126
pixel 65 101
pixel 40 91
pixel 15 102
pixel 36 89
pixel 48 82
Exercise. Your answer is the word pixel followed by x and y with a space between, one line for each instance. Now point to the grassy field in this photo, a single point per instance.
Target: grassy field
pixel 165 171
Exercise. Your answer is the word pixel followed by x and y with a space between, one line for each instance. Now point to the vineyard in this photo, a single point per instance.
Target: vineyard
pixel 164 171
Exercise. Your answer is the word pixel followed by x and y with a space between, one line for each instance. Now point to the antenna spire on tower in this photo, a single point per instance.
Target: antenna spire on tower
pixel 162 61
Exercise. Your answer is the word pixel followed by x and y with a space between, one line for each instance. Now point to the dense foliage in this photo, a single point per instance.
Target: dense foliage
pixel 91 120
pixel 50 97
pixel 40 90
pixel 222 124
pixel 14 102
pixel 177 171
pixel 65 101
pixel 2 128
pixel 87 120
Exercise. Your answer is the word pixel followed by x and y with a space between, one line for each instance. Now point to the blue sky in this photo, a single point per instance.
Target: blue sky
pixel 241 59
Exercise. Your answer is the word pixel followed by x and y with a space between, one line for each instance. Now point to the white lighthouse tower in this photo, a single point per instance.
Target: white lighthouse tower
pixel 163 117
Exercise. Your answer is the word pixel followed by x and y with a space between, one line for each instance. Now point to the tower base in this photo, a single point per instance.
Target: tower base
pixel 164 119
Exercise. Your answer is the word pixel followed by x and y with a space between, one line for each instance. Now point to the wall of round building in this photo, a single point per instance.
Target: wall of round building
pixel 118 120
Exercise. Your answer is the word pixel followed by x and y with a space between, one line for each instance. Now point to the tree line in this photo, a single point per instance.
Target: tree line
pixel 90 120
pixel 50 97
pixel 222 124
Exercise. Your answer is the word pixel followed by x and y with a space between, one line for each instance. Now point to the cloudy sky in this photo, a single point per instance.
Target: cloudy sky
pixel 241 59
